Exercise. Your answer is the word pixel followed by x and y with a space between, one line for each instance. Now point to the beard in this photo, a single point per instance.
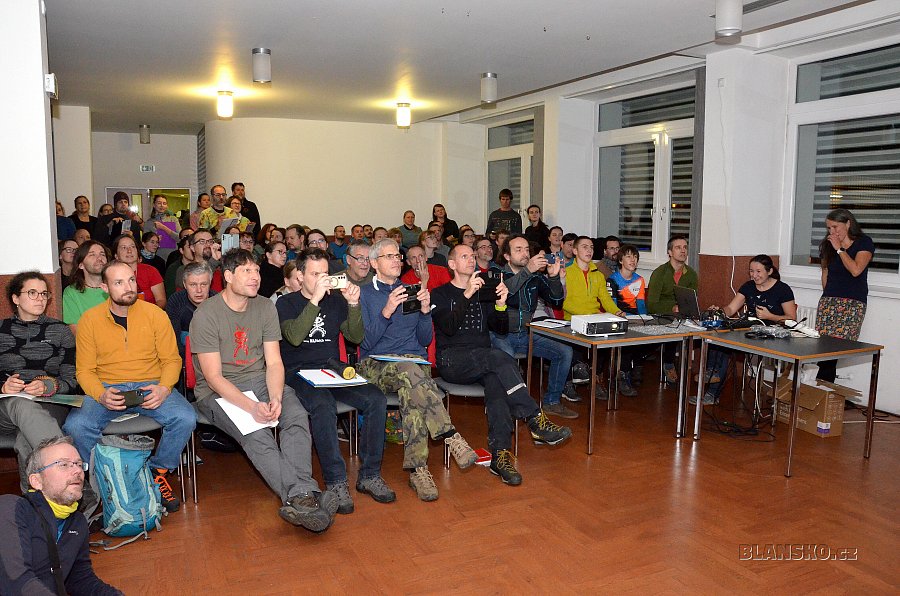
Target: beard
pixel 126 299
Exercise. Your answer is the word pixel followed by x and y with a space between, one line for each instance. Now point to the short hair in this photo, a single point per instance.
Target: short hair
pixel 235 185
pixel 612 238
pixel 394 232
pixel 336 227
pixel 555 228
pixel 628 249
pixel 358 244
pixel 270 247
pixel 247 235
pixel 569 237
pixel 580 238
pixel 503 231
pixel 201 268
pixel 77 277
pixel 109 265
pixel 236 257
pixel 146 236
pixel 185 240
pixel 300 231
pixel 35 459
pixel 673 239
pixel 375 249
pixel 213 188
pixel 506 193
pixel 289 268
pixel 310 254
pixel 119 240
pixel 510 239
pixel 15 285
pixel 456 249
pixel 316 231
pixel 380 228
pixel 360 226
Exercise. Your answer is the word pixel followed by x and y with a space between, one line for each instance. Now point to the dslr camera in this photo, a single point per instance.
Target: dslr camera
pixel 412 304
pixel 338 282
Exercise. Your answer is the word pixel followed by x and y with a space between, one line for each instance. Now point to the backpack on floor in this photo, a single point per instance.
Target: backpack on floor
pixel 121 478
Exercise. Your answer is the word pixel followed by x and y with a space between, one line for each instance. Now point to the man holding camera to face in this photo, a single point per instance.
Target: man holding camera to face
pixel 397 318
pixel 311 322
pixel 465 311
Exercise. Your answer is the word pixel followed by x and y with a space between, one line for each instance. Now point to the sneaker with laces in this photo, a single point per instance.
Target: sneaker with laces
pixel 671 374
pixel 341 491
pixel 464 455
pixel 422 482
pixel 708 399
pixel 601 393
pixel 570 393
pixel 624 386
pixel 581 373
pixel 560 410
pixel 376 488
pixel 170 502
pixel 503 464
pixel 328 501
pixel 543 430
pixel 304 511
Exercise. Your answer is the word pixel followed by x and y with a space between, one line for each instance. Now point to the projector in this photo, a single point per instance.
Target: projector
pixel 600 324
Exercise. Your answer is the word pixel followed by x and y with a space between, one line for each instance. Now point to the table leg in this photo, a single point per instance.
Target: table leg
pixel 615 362
pixel 528 368
pixel 795 409
pixel 682 398
pixel 701 387
pixel 870 411
pixel 592 399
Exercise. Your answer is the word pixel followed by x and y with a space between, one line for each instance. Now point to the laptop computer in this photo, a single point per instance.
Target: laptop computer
pixel 688 305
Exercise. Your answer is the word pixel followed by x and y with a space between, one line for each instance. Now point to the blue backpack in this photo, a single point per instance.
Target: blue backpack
pixel 122 479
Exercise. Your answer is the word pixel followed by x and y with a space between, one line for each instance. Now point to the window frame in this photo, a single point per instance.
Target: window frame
pixel 523 151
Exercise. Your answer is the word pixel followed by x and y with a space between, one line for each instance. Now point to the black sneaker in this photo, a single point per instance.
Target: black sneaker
pixel 581 373
pixel 503 464
pixel 544 431
pixel 570 393
pixel 170 502
pixel 304 511
pixel 624 385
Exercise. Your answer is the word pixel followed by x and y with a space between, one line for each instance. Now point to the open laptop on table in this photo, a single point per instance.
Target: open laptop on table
pixel 688 305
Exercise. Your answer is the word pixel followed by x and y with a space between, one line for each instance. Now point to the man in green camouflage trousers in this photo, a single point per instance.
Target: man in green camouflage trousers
pixel 392 329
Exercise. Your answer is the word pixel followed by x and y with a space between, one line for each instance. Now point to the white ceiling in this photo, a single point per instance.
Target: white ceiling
pixel 161 62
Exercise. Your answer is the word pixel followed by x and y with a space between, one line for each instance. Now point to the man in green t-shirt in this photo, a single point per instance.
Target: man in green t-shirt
pixel 85 292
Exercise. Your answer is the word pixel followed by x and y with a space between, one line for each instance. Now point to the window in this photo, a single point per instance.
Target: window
pixel 509 159
pixel 519 133
pixel 645 170
pixel 848 152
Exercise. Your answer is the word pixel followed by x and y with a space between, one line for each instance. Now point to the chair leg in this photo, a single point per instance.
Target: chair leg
pixel 193 464
pixel 516 438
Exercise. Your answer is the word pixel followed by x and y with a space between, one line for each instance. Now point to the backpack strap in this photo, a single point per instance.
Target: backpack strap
pixel 55 567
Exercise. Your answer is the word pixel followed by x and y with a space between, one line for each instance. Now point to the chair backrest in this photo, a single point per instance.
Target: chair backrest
pixel 190 375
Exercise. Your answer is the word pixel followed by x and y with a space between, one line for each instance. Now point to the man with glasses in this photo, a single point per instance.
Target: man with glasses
pixel 358 270
pixel 484 255
pixel 126 348
pixel 609 248
pixel 392 330
pixel 56 474
pixel 205 249
pixel 37 357
pixel 84 291
pixel 315 238
pixel 217 211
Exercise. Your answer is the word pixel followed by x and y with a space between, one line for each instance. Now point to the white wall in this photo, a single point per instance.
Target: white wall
pixel 72 154
pixel 569 165
pixel 463 173
pixel 117 157
pixel 26 158
pixel 322 174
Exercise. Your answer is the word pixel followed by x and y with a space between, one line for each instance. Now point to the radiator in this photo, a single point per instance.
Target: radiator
pixel 808 313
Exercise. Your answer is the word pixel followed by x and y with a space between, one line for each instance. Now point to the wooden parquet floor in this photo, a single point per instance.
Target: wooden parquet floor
pixel 645 514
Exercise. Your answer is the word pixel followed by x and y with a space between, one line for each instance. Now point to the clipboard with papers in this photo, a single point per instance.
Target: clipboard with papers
pixel 320 377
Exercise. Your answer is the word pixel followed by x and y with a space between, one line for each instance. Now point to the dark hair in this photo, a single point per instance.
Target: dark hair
pixel 119 239
pixel 200 195
pixel 15 285
pixel 506 193
pixel 120 196
pixel 261 236
pixel 510 239
pixel 674 238
pixel 628 249
pixel 282 230
pixel 236 257
pixel 247 235
pixel 354 226
pixel 380 228
pixel 556 228
pixel 826 250
pixel 612 238
pixel 570 237
pixel 580 238
pixel 270 247
pixel 435 206
pixel 310 254
pixel 300 231
pixel 147 236
pixel 185 240
pixel 77 278
pixel 766 261
pixel 235 185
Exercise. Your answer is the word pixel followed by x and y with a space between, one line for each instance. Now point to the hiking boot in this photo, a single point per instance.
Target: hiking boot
pixel 570 393
pixel 671 375
pixel 601 393
pixel 545 431
pixel 503 464
pixel 328 502
pixel 560 410
pixel 581 373
pixel 421 480
pixel 304 511
pixel 624 386
pixel 341 491
pixel 376 488
pixel 708 399
pixel 170 502
pixel 464 455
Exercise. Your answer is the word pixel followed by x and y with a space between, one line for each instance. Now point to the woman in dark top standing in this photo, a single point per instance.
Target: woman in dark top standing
pixel 82 215
pixel 451 229
pixel 845 255
pixel 537 231
pixel 271 268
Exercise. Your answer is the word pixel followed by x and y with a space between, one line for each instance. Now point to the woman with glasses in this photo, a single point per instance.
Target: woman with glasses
pixel 467 236
pixel 236 205
pixel 149 282
pixel 271 269
pixel 67 250
pixel 37 357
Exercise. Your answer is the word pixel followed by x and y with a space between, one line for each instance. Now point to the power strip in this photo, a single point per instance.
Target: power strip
pixel 800 328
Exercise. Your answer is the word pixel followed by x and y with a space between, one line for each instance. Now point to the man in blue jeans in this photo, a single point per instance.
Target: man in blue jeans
pixel 526 280
pixel 126 344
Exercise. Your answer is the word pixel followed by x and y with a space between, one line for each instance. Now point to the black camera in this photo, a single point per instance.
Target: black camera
pixel 135 397
pixel 412 304
pixel 488 291
pixel 551 258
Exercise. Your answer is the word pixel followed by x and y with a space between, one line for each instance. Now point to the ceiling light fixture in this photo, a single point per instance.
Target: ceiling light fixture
pixel 729 14
pixel 225 104
pixel 404 115
pixel 145 134
pixel 488 88
pixel 262 65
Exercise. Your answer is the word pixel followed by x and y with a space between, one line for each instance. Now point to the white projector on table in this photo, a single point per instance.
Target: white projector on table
pixel 600 324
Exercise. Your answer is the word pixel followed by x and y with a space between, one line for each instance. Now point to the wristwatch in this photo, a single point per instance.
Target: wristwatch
pixel 840 250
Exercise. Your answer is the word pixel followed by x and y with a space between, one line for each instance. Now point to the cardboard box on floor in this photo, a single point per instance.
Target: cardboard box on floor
pixel 820 408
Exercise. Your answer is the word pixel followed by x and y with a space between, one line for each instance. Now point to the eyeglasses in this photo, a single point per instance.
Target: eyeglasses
pixel 69 251
pixel 34 294
pixel 483 246
pixel 202 242
pixel 394 256
pixel 319 241
pixel 220 194
pixel 66 465
pixel 359 259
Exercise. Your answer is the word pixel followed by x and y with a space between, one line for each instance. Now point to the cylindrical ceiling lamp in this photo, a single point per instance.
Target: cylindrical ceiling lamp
pixel 225 104
pixel 729 17
pixel 145 134
pixel 262 65
pixel 488 88
pixel 404 115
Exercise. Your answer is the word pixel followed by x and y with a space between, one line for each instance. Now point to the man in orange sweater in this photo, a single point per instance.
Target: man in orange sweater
pixel 126 345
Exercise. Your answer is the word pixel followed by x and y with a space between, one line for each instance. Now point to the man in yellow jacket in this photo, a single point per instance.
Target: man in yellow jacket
pixel 126 347
pixel 586 294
